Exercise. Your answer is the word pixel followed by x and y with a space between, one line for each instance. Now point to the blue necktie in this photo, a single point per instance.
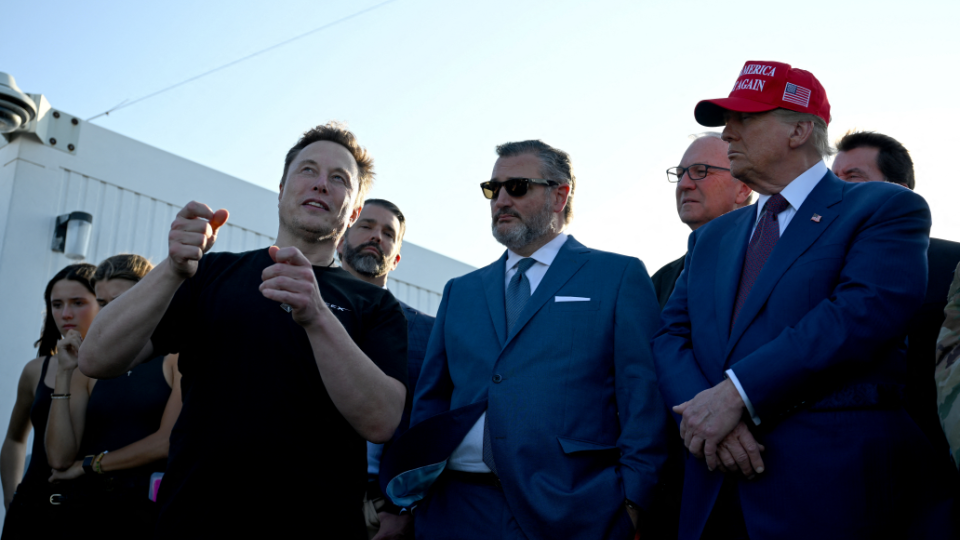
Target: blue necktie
pixel 518 292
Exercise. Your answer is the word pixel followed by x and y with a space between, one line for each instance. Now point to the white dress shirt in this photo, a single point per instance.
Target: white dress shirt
pixel 468 457
pixel 795 193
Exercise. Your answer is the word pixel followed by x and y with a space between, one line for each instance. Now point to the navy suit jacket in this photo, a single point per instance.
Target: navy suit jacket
pixel 574 413
pixel 419 326
pixel 819 350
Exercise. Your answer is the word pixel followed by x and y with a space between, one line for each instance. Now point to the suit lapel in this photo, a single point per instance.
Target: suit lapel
pixel 802 232
pixel 493 284
pixel 569 259
pixel 733 244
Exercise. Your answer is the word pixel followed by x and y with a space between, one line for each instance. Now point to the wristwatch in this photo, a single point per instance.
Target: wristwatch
pixel 88 464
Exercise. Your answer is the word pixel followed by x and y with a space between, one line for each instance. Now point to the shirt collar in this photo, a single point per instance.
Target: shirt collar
pixel 544 255
pixel 797 191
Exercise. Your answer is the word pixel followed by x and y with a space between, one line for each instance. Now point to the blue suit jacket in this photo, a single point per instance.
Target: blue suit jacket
pixel 573 409
pixel 819 350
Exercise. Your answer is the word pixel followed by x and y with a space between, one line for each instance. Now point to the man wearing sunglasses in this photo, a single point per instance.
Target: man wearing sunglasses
pixel 537 392
pixel 705 190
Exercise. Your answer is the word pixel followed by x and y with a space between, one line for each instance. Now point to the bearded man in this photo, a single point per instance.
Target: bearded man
pixel 537 413
pixel 289 363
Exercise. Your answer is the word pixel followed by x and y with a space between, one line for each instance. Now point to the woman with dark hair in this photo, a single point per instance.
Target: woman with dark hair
pixel 33 504
pixel 113 434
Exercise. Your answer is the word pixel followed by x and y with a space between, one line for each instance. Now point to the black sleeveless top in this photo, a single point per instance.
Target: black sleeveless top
pixel 124 410
pixel 39 470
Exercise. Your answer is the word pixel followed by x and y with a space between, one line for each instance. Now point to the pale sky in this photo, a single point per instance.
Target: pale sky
pixel 431 87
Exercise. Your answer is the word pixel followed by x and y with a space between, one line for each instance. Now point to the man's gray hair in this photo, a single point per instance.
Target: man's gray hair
pixel 820 140
pixel 555 165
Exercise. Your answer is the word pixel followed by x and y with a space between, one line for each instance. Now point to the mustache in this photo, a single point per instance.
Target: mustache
pixel 361 247
pixel 506 212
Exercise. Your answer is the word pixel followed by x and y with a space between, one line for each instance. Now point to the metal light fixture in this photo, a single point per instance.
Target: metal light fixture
pixel 16 108
pixel 30 115
pixel 72 235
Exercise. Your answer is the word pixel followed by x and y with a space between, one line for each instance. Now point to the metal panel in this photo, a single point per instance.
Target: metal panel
pixel 416 297
pixel 125 221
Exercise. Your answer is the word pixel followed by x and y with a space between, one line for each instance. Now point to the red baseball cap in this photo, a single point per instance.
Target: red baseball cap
pixel 764 86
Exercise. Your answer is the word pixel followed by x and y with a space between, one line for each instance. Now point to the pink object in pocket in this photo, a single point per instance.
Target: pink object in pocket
pixel 155 479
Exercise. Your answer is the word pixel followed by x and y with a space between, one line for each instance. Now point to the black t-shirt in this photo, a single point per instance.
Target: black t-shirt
pixel 259 441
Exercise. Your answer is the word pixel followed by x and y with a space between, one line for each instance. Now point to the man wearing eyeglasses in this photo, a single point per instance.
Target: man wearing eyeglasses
pixel 781 350
pixel 705 190
pixel 537 398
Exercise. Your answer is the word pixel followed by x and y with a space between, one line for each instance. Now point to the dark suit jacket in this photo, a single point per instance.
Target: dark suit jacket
pixel 666 279
pixel 419 326
pixel 921 391
pixel 819 350
pixel 572 404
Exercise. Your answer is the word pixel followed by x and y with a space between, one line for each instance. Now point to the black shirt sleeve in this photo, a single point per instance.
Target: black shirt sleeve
pixel 171 334
pixel 385 337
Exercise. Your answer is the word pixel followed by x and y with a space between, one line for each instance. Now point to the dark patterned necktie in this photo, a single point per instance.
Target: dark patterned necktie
pixel 518 293
pixel 761 244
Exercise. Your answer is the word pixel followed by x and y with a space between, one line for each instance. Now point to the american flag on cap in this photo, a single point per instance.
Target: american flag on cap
pixel 797 95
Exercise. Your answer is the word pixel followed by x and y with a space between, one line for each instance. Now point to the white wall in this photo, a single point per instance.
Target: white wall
pixel 133 192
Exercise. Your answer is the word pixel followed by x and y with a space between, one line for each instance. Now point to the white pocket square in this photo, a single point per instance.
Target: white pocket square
pixel 571 299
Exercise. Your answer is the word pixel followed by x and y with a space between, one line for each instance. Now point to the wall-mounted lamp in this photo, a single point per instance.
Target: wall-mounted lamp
pixel 72 235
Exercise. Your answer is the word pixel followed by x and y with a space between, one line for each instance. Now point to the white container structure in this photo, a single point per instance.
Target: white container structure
pixel 132 191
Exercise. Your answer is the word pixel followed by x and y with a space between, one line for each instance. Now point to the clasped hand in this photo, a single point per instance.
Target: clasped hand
pixel 712 429
pixel 291 281
pixel 67 350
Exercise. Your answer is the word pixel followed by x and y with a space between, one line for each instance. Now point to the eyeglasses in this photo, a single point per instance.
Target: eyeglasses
pixel 697 171
pixel 516 187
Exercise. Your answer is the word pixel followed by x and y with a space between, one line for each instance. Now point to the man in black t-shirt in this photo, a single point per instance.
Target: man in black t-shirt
pixel 289 364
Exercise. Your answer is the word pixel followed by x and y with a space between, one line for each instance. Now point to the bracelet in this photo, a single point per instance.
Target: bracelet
pixel 88 464
pixel 97 467
pixel 59 396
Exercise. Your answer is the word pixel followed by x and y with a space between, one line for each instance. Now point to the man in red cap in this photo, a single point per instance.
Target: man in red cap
pixel 781 349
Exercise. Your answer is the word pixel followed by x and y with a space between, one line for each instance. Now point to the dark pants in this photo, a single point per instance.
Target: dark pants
pixel 726 519
pixel 465 511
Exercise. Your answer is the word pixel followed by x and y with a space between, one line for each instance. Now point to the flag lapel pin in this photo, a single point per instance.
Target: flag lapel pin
pixel 815 218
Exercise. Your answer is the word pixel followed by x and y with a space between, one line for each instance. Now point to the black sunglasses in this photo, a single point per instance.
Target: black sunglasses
pixel 516 187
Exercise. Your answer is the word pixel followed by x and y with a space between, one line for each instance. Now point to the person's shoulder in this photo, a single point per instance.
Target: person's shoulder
pixel 879 193
pixel 477 275
pixel 669 267
pixel 724 222
pixel 32 369
pixel 574 248
pixel 947 247
pixel 413 313
pixel 344 279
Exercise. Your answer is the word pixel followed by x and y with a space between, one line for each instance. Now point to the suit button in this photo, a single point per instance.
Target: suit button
pixel 497 378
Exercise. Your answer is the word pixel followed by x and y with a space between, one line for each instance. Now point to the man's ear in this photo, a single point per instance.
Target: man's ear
pixel 743 193
pixel 396 261
pixel 801 133
pixel 353 216
pixel 562 193
pixel 280 195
